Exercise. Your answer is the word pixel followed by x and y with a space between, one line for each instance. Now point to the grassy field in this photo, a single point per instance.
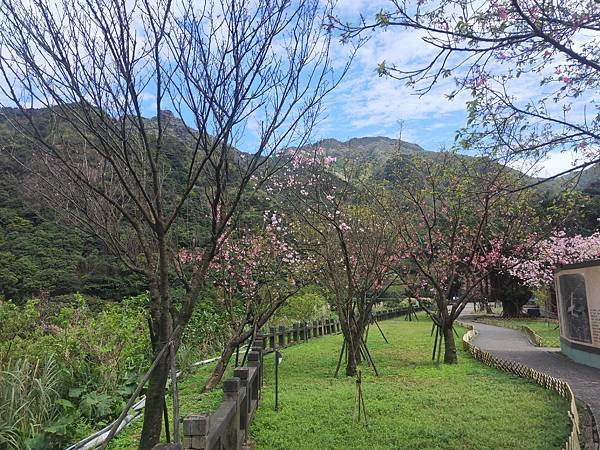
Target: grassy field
pixel 412 405
pixel 547 330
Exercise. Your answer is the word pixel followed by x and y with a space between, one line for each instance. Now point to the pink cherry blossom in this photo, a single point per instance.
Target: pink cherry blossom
pixel 536 267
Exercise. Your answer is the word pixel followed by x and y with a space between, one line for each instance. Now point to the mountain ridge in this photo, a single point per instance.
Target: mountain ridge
pixel 375 149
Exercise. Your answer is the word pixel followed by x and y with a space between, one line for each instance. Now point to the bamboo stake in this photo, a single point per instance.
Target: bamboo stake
pixel 175 395
pixel 133 397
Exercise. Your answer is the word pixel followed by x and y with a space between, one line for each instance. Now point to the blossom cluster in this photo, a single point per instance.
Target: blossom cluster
pixel 536 269
pixel 251 259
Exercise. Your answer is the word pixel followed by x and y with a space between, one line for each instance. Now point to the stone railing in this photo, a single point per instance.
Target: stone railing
pixel 545 380
pixel 227 427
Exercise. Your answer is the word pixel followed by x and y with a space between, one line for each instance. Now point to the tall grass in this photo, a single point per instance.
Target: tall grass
pixel 28 401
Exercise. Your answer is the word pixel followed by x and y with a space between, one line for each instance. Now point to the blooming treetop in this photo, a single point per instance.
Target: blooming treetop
pixel 253 259
pixel 454 218
pixel 350 239
pixel 342 227
pixel 536 268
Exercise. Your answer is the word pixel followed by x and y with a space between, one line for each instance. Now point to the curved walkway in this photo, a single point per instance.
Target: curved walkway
pixel 513 345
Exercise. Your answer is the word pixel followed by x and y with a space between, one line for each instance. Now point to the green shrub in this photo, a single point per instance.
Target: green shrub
pixel 208 329
pixel 87 360
pixel 308 304
pixel 30 409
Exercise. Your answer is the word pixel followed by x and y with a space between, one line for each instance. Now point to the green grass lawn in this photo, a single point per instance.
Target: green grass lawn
pixel 411 405
pixel 547 330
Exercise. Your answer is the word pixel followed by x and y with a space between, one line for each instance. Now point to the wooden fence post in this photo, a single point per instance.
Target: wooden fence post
pixel 260 341
pixel 281 336
pixel 246 402
pixel 233 436
pixel 195 431
pixel 260 350
pixel 272 337
pixel 254 361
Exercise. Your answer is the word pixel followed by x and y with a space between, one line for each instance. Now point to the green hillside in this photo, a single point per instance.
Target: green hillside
pixel 376 150
pixel 39 255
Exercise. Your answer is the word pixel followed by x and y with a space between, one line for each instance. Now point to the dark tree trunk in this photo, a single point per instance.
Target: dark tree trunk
pixel 450 356
pixel 153 412
pixel 219 370
pixel 510 308
pixel 510 292
pixel 155 394
pixel 353 348
pixel 552 305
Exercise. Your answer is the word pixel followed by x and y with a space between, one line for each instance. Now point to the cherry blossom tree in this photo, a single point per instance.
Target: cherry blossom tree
pixel 530 68
pixel 454 217
pixel 535 267
pixel 89 85
pixel 351 241
pixel 254 273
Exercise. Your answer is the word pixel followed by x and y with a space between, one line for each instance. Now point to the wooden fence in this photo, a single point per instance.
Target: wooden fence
pixel 282 337
pixel 547 381
pixel 227 427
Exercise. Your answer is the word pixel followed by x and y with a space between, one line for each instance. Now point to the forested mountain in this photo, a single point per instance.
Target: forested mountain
pixel 376 150
pixel 38 255
pixel 586 181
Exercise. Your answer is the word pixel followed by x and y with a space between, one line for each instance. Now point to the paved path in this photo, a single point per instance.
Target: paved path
pixel 511 344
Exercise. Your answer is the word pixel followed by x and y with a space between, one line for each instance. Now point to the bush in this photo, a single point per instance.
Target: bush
pixel 308 304
pixel 98 360
pixel 74 366
pixel 208 329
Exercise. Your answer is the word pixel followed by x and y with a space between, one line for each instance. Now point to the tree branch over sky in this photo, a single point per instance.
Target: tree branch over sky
pixel 80 77
pixel 530 67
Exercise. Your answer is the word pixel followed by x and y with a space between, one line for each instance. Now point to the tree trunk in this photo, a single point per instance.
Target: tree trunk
pixel 219 370
pixel 552 304
pixel 510 308
pixel 353 347
pixel 450 356
pixel 155 394
pixel 352 363
pixel 153 412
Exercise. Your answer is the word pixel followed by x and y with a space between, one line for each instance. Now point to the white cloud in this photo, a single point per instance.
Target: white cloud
pixel 366 104
pixel 557 162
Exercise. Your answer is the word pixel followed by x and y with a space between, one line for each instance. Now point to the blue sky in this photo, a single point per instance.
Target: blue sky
pixel 368 105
